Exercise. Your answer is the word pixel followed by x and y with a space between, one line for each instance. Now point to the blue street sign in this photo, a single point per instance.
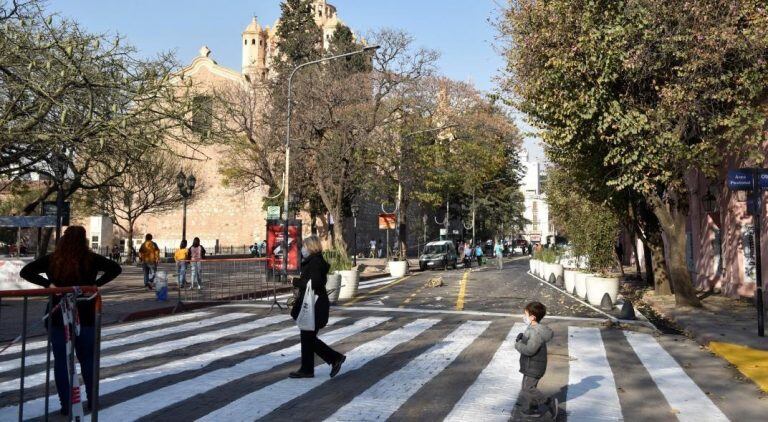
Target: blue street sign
pixel 763 179
pixel 740 179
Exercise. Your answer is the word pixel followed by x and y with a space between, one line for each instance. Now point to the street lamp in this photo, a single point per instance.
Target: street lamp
pixel 354 208
pixel 288 140
pixel 186 185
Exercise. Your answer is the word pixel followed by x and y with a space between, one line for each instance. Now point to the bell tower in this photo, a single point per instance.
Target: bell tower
pixel 253 46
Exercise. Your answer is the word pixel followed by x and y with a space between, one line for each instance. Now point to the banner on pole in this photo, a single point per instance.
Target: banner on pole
pixel 387 221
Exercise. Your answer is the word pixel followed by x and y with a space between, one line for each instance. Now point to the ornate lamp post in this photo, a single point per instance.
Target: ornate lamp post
pixel 186 185
pixel 355 209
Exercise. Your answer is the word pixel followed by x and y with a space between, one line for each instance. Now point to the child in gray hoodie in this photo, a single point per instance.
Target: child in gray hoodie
pixel 532 345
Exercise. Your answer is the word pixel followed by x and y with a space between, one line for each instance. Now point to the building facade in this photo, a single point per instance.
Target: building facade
pixel 222 216
pixel 539 229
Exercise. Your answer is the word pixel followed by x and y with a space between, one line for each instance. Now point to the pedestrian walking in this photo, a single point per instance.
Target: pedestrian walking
pixel 479 254
pixel 467 255
pixel 532 345
pixel 196 257
pixel 263 248
pixel 314 270
pixel 72 264
pixel 379 248
pixel 149 254
pixel 372 244
pixel 181 256
pixel 499 252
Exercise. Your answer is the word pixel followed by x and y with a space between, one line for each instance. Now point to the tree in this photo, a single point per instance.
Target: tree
pixel 650 89
pixel 149 187
pixel 79 108
pixel 592 227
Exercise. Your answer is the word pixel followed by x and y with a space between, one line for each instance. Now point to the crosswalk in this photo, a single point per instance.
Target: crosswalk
pixel 230 364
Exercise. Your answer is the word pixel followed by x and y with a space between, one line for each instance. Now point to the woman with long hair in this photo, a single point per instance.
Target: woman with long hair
pixel 314 269
pixel 72 264
pixel 196 256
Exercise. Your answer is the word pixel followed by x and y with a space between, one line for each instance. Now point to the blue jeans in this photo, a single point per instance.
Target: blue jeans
pixel 83 351
pixel 147 266
pixel 197 273
pixel 181 267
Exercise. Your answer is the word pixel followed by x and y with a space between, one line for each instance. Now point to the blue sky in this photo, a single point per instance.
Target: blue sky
pixel 459 30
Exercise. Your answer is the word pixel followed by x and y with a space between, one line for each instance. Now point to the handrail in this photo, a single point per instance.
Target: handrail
pixel 48 291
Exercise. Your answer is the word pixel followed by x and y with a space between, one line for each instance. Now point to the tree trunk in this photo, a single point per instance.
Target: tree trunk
pixel 648 261
pixel 129 244
pixel 338 232
pixel 673 226
pixel 660 275
pixel 637 258
pixel 402 235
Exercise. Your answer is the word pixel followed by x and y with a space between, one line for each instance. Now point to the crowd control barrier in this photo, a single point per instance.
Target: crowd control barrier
pixel 21 346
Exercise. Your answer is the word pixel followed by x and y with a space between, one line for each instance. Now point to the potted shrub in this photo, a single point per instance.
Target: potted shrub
pixel 580 284
pixel 348 277
pixel 600 285
pixel 569 279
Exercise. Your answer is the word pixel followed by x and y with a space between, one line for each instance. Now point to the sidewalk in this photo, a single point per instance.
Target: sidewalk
pixel 728 327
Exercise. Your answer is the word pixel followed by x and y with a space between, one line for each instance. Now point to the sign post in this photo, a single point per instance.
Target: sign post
pixel 754 181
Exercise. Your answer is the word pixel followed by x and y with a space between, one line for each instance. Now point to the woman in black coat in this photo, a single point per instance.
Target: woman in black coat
pixel 314 268
pixel 72 264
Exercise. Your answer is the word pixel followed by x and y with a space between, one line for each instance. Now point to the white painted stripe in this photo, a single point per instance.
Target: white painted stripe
pixel 493 395
pixel 383 399
pixel 266 400
pixel 155 349
pixel 369 309
pixel 151 402
pixel 592 392
pixel 362 286
pixel 116 329
pixel 136 338
pixel 686 399
pixel 36 408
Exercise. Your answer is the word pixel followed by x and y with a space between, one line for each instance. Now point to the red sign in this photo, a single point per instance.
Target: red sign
pixel 275 245
pixel 387 221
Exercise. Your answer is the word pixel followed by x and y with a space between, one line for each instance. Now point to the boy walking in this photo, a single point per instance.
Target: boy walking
pixel 532 345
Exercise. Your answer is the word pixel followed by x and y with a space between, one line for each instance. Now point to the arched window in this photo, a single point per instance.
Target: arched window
pixel 245 42
pixel 253 41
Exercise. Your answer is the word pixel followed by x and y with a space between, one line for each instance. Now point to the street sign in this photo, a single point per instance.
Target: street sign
pixel 273 212
pixel 763 179
pixel 740 179
pixel 387 221
pixel 49 209
pixel 443 232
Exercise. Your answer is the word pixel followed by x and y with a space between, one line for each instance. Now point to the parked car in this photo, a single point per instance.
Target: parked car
pixel 440 254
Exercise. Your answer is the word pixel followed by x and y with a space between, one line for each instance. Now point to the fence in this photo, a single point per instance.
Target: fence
pixel 212 280
pixel 80 293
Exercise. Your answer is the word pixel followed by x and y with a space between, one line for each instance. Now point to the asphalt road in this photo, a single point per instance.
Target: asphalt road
pixel 414 353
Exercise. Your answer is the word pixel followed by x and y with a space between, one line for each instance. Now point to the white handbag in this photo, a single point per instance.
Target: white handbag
pixel 306 319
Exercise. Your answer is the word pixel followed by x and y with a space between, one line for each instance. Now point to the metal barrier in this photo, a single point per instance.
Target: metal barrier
pixel 91 293
pixel 212 280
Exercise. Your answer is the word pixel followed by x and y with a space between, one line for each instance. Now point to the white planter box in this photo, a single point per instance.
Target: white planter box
pixel 557 270
pixel 349 281
pixel 532 265
pixel 398 268
pixel 581 284
pixel 569 279
pixel 597 287
pixel 539 266
pixel 548 270
pixel 334 282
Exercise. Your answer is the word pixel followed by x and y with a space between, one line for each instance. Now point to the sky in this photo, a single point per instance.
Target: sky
pixel 459 30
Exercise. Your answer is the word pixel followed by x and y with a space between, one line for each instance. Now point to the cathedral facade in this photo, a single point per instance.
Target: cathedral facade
pixel 222 216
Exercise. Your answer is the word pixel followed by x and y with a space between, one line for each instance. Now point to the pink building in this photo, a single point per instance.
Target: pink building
pixel 720 249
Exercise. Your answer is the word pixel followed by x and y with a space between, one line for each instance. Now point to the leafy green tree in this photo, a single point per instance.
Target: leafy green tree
pixel 650 89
